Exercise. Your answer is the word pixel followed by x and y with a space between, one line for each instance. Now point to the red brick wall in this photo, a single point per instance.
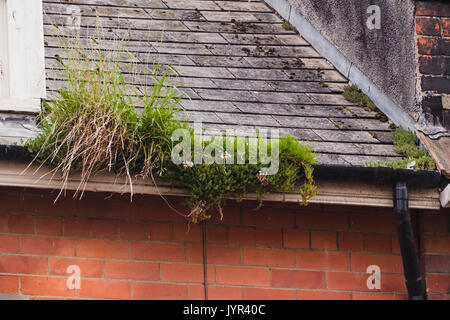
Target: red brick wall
pixel 143 250
pixel 433 44
pixel 435 238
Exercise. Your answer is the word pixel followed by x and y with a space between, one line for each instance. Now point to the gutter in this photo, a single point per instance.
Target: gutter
pixel 400 180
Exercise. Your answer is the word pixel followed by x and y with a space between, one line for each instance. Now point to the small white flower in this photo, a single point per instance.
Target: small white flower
pixel 188 164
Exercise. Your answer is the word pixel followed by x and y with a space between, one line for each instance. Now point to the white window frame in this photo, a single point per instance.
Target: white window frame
pixel 22 56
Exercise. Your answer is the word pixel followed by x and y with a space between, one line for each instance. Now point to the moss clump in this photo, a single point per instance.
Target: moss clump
pixel 405 143
pixel 210 184
pixel 354 94
pixel 287 26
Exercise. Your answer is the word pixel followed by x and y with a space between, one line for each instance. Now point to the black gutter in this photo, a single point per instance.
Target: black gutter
pixel 419 178
pixel 401 179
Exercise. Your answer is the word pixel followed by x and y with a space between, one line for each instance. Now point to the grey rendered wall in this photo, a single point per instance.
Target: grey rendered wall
pixel 386 56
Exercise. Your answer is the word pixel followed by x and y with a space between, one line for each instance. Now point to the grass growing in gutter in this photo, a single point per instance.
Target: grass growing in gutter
pixel 405 143
pixel 93 126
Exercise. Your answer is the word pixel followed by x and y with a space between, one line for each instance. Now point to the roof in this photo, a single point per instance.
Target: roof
pixel 240 68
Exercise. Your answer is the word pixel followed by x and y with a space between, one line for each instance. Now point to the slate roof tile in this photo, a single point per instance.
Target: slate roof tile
pixel 240 68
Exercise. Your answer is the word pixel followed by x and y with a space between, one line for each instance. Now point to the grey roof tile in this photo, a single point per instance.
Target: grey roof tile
pixel 240 68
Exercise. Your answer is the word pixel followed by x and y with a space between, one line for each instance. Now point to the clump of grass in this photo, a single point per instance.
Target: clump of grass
pixel 287 26
pixel 93 126
pixel 405 143
pixel 354 94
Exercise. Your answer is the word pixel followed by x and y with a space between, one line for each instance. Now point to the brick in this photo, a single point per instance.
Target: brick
pixel 387 263
pixel 133 231
pixel 21 224
pixel 323 240
pixel 437 243
pixel 242 276
pixel 269 237
pixel 216 234
pixel 429 46
pixel 187 233
pixel 132 270
pixel 296 238
pixel 224 293
pixel 49 226
pixel 437 263
pixel 428 26
pixel 436 66
pixel 439 84
pixel 88 268
pixel 9 284
pixel 48 246
pixel 4 224
pixel 214 254
pixel 196 292
pixel 102 249
pixel 323 260
pixel 347 281
pixel 371 223
pixel 160 231
pixel 106 289
pixel 298 279
pixel 231 215
pixel 188 273
pixel 159 291
pixel 446 26
pixel 322 221
pixel 269 294
pixel 268 257
pixel 438 283
pixel 105 208
pixel 46 286
pixel 268 217
pixel 434 8
pixel 378 296
pixel 105 229
pixel 46 205
pixel 10 203
pixel 23 264
pixel 77 227
pixel 158 251
pixel 244 236
pixel 9 244
pixel 351 241
pixel 378 242
pixel 435 223
pixel 157 211
pixel 322 295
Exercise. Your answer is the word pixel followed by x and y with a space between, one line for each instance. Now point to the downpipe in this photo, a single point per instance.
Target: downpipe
pixel 411 266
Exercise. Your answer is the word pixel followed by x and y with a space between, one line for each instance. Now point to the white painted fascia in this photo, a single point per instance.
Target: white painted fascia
pixel 445 197
pixel 326 49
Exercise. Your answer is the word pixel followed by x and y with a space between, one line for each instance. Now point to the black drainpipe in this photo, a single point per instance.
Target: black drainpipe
pixel 400 179
pixel 411 266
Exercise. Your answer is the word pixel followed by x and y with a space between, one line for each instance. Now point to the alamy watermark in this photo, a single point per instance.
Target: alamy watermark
pixel 253 148
pixel 374 20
